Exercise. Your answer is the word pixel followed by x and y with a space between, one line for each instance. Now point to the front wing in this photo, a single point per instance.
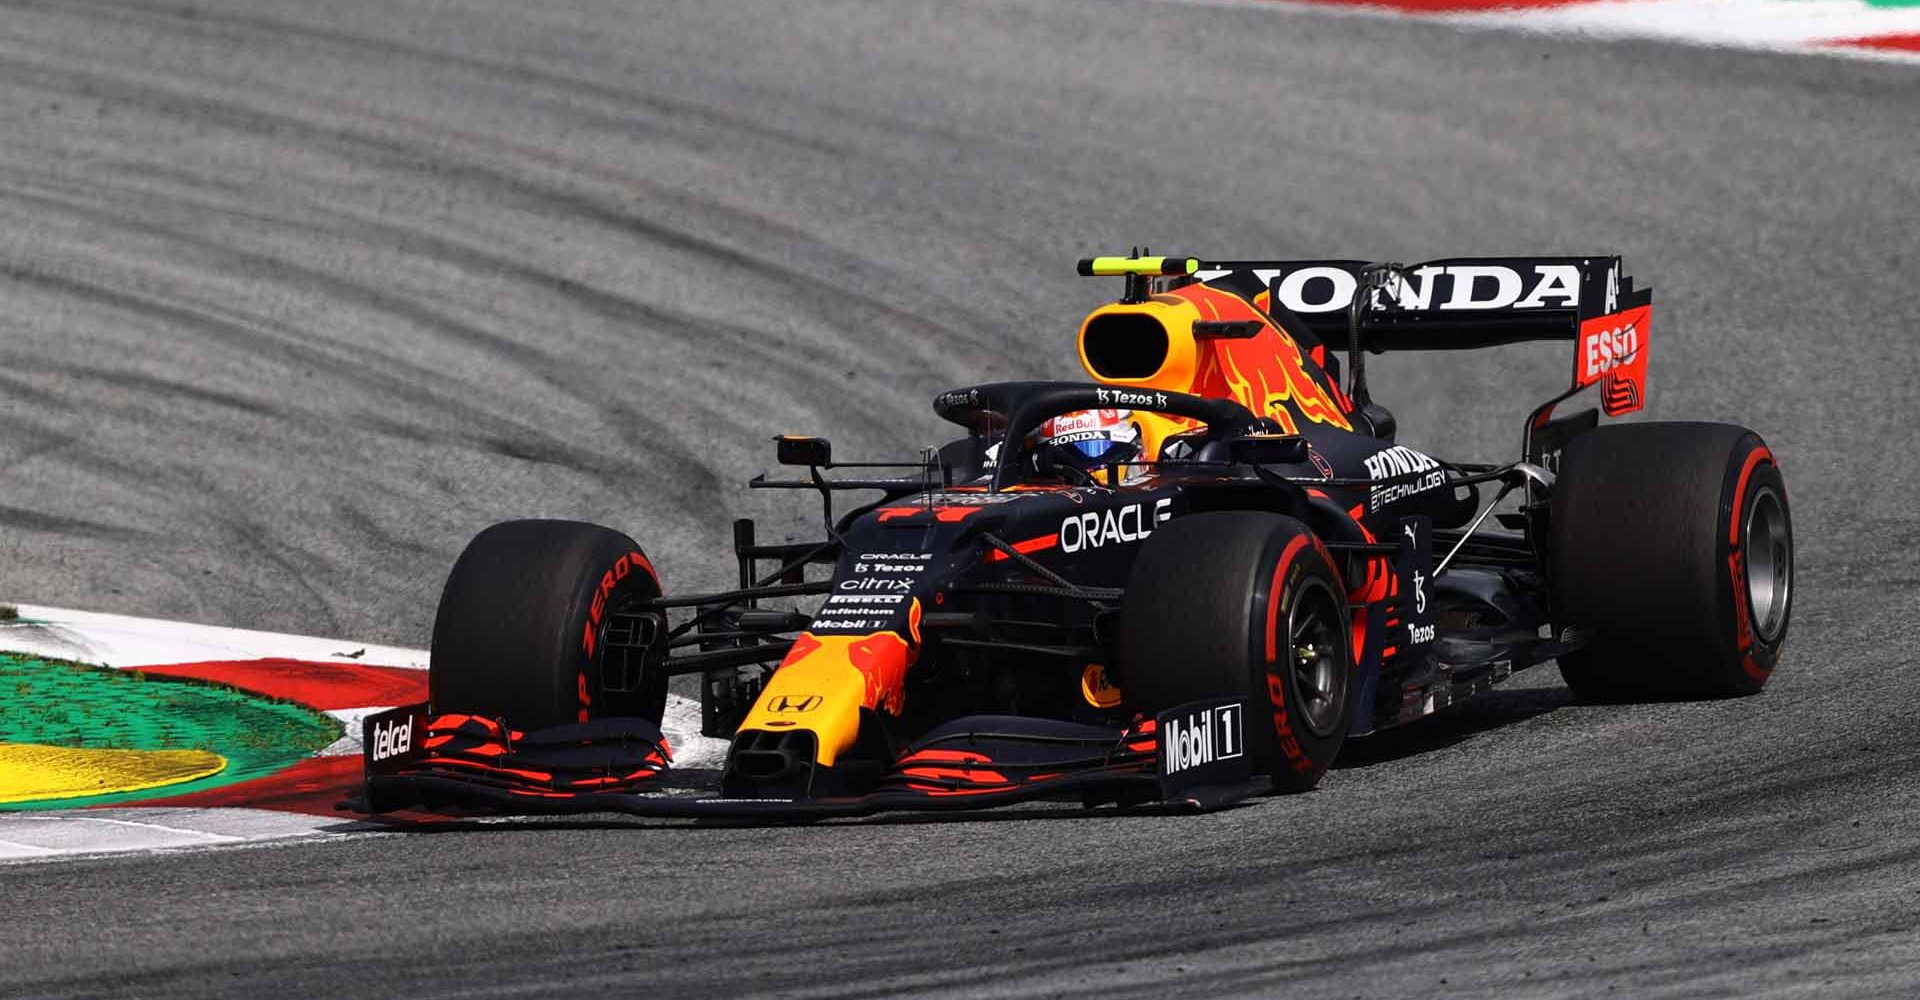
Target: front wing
pixel 1189 758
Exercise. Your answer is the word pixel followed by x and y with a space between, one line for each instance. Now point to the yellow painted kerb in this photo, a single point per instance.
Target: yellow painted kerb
pixel 32 773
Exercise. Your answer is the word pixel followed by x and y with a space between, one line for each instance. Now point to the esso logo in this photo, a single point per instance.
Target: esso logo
pixel 1606 350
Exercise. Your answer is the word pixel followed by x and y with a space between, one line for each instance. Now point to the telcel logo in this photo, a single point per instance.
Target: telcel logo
pixel 392 739
pixel 1097 528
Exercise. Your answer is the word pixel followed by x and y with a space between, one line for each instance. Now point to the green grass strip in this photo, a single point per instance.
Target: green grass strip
pixel 57 703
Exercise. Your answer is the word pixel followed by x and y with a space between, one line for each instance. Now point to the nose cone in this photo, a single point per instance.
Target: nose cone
pixel 800 735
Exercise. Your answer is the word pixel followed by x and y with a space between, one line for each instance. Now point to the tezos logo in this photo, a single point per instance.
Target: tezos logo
pixel 1201 738
pixel 1122 397
pixel 392 739
pixel 1097 528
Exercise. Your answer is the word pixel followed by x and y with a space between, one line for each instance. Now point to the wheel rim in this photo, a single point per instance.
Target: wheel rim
pixel 1314 655
pixel 1769 561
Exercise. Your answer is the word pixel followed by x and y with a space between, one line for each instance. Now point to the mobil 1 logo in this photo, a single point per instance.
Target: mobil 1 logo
pixel 1414 560
pixel 1203 743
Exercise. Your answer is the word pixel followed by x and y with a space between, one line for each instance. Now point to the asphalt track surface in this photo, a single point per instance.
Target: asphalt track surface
pixel 295 297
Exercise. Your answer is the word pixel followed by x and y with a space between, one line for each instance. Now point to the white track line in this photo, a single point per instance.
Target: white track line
pixel 1804 27
pixel 208 834
pixel 1774 24
pixel 121 641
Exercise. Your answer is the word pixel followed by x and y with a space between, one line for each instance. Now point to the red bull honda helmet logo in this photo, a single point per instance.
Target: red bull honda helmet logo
pixel 1093 437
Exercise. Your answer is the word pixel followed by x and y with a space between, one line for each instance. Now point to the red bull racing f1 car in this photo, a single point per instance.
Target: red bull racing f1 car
pixel 1188 580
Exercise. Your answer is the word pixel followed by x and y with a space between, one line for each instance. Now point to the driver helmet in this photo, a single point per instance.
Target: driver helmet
pixel 1092 438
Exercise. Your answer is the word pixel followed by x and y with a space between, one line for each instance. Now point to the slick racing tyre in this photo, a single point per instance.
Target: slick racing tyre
pixel 522 626
pixel 1671 553
pixel 1243 604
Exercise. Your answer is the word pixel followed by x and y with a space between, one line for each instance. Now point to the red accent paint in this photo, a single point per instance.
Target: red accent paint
pixel 1904 42
pixel 946 756
pixel 322 686
pixel 1027 547
pixel 882 659
pixel 802 647
pixel 945 515
pixel 978 776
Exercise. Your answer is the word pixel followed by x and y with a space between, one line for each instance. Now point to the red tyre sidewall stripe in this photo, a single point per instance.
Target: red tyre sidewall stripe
pixel 1275 597
pixel 1743 634
pixel 616 574
pixel 1296 755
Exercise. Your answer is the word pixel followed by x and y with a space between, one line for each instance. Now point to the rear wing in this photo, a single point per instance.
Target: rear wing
pixel 1439 305
pixel 1450 304
pixel 1460 303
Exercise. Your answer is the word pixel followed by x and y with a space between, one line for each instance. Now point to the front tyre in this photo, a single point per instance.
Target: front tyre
pixel 522 625
pixel 1671 551
pixel 1247 605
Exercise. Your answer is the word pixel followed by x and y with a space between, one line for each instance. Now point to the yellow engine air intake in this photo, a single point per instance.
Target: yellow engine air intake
pixel 1147 343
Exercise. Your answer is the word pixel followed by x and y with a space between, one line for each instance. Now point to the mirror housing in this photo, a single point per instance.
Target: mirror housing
pixel 795 449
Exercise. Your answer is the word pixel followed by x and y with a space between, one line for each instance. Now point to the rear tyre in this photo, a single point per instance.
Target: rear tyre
pixel 1671 551
pixel 1249 605
pixel 520 633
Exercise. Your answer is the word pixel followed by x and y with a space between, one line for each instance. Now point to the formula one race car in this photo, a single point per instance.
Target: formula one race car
pixel 1185 582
